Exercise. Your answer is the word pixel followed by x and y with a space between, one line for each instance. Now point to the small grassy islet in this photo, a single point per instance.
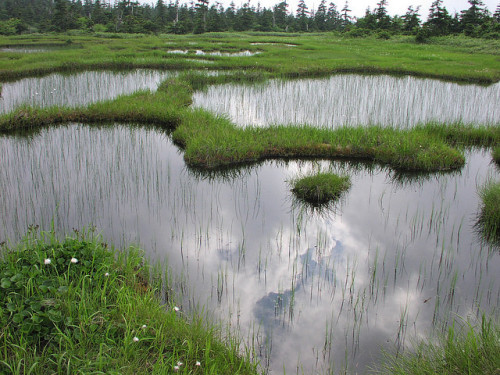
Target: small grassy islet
pixel 76 306
pixel 321 187
pixel 489 216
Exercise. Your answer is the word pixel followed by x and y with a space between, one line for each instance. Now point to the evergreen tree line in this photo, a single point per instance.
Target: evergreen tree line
pixel 22 16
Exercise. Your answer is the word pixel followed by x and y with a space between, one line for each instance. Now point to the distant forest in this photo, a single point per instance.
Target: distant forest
pixel 126 16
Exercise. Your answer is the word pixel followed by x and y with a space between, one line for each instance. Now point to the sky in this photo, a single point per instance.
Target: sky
pixel 358 7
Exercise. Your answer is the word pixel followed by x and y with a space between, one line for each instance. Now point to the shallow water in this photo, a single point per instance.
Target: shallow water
pixel 77 89
pixel 318 290
pixel 35 48
pixel 350 99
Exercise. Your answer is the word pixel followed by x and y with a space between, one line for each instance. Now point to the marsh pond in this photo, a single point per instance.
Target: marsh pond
pixel 309 290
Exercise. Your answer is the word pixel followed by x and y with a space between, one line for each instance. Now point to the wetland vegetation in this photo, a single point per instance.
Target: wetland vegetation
pixel 402 242
pixel 489 217
pixel 75 305
pixel 321 187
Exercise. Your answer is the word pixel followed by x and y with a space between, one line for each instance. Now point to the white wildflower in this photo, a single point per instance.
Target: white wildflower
pixel 176 309
pixel 198 363
pixel 144 326
pixel 135 339
pixel 74 260
pixel 47 261
pixel 176 368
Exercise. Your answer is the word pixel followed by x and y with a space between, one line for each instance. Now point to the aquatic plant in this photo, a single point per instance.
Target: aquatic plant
pixel 489 216
pixel 466 349
pixel 212 141
pixel 496 155
pixel 321 187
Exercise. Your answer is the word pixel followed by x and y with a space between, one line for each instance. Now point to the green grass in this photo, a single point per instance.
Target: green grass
pixel 321 187
pixel 211 141
pixel 496 155
pixel 98 313
pixel 287 55
pixel 471 349
pixel 489 217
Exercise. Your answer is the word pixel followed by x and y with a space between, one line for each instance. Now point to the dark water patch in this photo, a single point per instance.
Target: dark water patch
pixel 393 262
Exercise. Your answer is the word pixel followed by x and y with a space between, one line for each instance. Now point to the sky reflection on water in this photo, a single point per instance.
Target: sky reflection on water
pixel 77 89
pixel 350 99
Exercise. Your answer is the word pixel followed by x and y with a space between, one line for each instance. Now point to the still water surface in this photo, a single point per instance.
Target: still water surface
pixel 350 99
pixel 77 89
pixel 305 289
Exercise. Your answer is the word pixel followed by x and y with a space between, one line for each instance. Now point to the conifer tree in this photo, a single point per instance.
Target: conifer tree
pixel 411 19
pixel 302 16
pixel 439 20
pixel 346 18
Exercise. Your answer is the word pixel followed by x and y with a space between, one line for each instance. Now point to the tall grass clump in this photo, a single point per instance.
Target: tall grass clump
pixel 201 80
pixel 321 187
pixel 496 155
pixel 75 306
pixel 463 350
pixel 489 216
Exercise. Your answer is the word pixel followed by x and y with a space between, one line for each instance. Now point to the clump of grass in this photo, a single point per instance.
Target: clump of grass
pixel 470 350
pixel 321 187
pixel 496 155
pixel 200 80
pixel 75 306
pixel 489 216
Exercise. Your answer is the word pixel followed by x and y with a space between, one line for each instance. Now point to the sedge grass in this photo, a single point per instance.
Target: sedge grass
pixel 301 55
pixel 75 306
pixel 470 349
pixel 489 216
pixel 496 155
pixel 321 187
pixel 211 141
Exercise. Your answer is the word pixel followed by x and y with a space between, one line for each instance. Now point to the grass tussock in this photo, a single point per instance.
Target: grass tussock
pixel 496 155
pixel 466 350
pixel 75 306
pixel 321 187
pixel 489 217
pixel 200 81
